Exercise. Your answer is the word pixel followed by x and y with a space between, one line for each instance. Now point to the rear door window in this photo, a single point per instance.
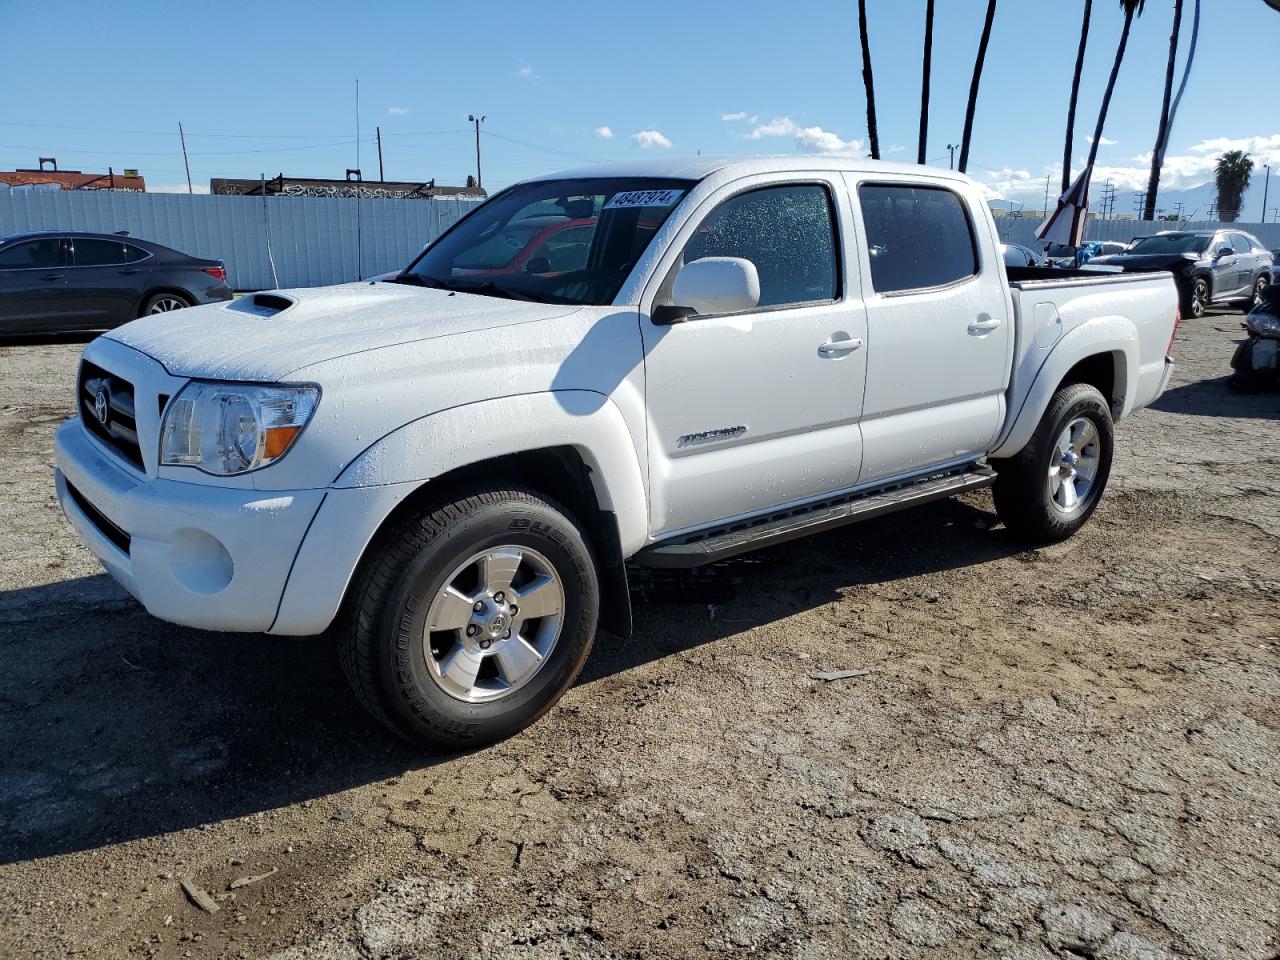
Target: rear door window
pixel 788 232
pixel 46 253
pixel 98 253
pixel 917 237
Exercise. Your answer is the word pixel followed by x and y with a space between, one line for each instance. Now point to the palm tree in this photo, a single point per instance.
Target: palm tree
pixel 924 81
pixel 1132 8
pixel 1162 131
pixel 1163 146
pixel 1075 92
pixel 872 134
pixel 1233 173
pixel 973 85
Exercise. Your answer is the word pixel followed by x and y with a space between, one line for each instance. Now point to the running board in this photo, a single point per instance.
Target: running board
pixel 693 550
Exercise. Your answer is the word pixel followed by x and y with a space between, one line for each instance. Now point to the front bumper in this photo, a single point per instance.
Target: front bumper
pixel 200 555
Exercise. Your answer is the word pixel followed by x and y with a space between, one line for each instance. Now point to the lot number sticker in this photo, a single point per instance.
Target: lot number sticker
pixel 644 198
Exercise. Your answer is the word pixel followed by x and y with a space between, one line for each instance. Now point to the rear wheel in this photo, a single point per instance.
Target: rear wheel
pixel 1050 488
pixel 164 303
pixel 1259 288
pixel 470 619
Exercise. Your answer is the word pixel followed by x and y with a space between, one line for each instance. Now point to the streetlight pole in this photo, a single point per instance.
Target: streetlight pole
pixel 477 121
pixel 1266 184
pixel 952 147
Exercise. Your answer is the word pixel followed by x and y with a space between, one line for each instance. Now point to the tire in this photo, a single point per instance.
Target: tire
pixel 163 303
pixel 414 680
pixel 1197 297
pixel 1029 503
pixel 1259 288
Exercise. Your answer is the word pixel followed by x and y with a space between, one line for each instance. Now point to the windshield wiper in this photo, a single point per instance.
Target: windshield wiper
pixel 414 279
pixel 488 289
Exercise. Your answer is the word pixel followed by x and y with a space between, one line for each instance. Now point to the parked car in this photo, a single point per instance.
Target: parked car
pixel 454 472
pixel 1016 255
pixel 1275 266
pixel 1210 266
pixel 57 282
pixel 1061 255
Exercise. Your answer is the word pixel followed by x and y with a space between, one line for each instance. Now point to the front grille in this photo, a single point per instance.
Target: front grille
pixel 96 517
pixel 106 407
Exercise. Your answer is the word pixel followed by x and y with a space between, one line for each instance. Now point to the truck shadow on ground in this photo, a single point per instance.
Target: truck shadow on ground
pixel 115 726
pixel 1213 398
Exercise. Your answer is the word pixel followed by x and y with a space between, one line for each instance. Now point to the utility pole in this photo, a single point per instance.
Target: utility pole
pixel 1046 195
pixel 381 176
pixel 1139 201
pixel 477 121
pixel 1266 186
pixel 1177 212
pixel 183 137
pixel 952 148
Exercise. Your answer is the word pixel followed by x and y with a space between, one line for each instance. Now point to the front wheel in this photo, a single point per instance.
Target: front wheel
pixel 1049 489
pixel 469 620
pixel 1197 300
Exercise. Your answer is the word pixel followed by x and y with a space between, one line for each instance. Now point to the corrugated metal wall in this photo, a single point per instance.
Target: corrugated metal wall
pixel 313 239
pixel 1022 230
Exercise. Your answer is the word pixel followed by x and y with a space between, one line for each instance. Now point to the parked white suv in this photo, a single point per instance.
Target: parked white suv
pixel 661 365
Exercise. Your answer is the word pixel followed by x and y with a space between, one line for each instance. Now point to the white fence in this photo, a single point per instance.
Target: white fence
pixel 314 240
pixel 1022 230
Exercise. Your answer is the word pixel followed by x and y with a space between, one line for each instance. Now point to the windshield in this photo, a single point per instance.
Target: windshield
pixel 1170 243
pixel 1060 250
pixel 554 241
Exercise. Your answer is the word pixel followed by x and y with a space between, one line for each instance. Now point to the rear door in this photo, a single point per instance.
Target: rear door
pixel 33 285
pixel 106 281
pixel 1251 258
pixel 1225 267
pixel 939 324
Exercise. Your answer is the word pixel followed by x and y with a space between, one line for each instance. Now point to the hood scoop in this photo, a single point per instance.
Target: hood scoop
pixel 263 305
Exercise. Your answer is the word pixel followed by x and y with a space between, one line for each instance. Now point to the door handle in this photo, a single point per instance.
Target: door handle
pixel 984 324
pixel 52 276
pixel 132 270
pixel 833 348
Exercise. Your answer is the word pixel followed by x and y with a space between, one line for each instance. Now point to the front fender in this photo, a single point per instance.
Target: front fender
pixel 585 420
pixel 1115 335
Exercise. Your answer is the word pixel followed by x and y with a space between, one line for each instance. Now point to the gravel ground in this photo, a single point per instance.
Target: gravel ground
pixel 1069 752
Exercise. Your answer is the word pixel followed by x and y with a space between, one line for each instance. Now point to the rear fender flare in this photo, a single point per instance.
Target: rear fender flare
pixel 1114 335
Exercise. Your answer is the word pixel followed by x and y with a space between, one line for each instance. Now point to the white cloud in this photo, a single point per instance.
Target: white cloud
pixel 176 187
pixel 731 117
pixel 650 138
pixel 806 138
pixel 398 111
pixel 1187 170
pixel 528 73
pixel 896 148
pixel 1104 142
pixel 604 132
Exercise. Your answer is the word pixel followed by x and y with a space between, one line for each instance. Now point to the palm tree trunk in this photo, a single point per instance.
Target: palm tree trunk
pixel 1162 133
pixel 1075 93
pixel 1182 84
pixel 973 85
pixel 1111 86
pixel 924 82
pixel 867 81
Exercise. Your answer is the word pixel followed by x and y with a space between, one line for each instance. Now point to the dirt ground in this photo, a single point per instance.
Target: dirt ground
pixel 1069 752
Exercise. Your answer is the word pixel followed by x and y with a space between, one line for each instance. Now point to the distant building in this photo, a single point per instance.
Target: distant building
pixel 352 188
pixel 73 179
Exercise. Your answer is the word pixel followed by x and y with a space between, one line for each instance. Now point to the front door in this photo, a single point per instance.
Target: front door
pixel 1225 268
pixel 751 410
pixel 33 285
pixel 940 329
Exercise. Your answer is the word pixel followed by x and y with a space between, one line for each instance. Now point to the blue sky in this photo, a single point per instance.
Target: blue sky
pixel 265 88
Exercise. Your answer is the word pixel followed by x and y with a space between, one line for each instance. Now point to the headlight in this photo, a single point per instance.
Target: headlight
pixel 229 428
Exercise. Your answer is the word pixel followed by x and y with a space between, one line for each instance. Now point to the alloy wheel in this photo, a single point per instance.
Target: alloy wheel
pixel 1073 464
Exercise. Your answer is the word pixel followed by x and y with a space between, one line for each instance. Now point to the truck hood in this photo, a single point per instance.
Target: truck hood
pixel 267 336
pixel 1131 263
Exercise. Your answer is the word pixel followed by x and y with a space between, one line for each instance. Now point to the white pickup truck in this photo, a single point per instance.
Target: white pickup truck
pixel 665 365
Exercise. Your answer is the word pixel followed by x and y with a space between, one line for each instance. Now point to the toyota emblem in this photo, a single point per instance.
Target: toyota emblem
pixel 101 406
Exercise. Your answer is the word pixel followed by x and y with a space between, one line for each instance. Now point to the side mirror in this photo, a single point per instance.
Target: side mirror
pixel 1222 252
pixel 717 285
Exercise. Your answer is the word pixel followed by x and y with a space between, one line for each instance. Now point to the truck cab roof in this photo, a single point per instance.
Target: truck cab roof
pixel 699 168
